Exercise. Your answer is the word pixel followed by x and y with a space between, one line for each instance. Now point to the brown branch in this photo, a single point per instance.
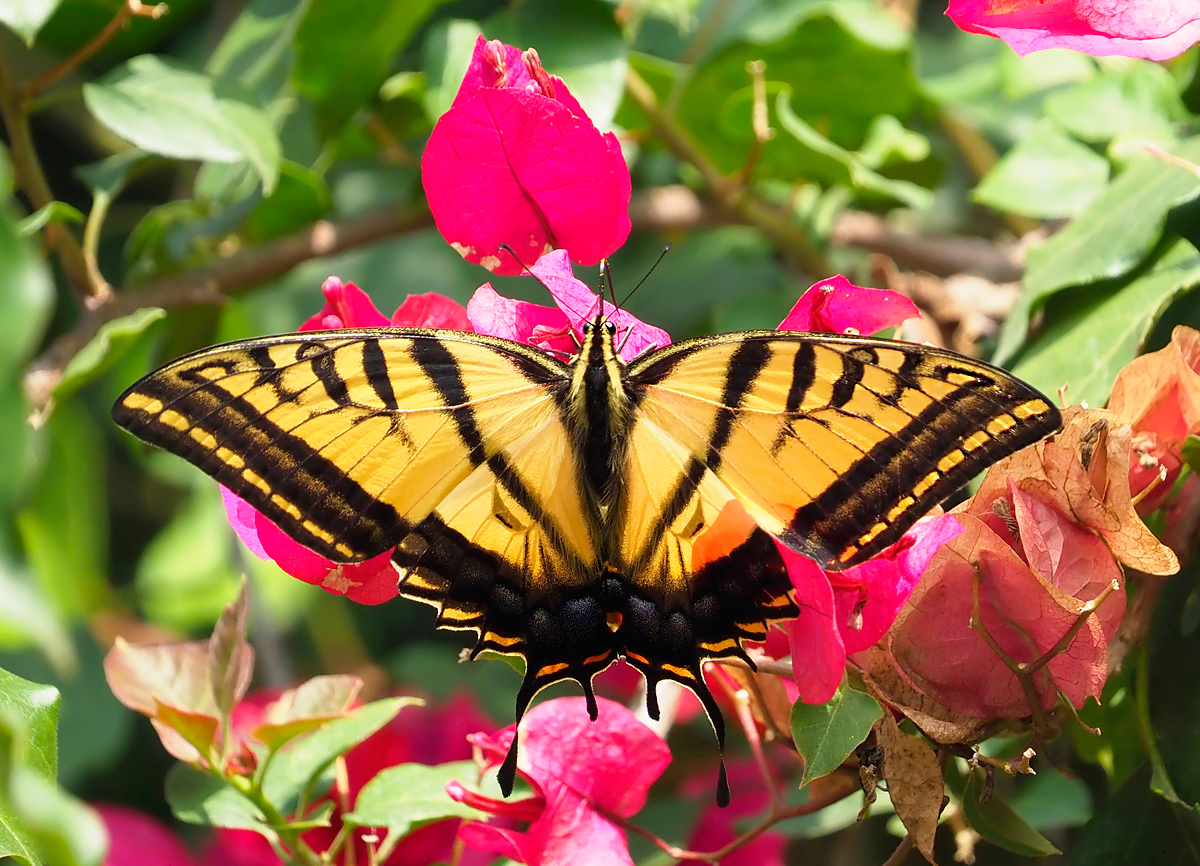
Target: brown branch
pixel 944 255
pixel 849 784
pixel 130 9
pixel 980 156
pixel 788 237
pixel 215 283
pixel 27 169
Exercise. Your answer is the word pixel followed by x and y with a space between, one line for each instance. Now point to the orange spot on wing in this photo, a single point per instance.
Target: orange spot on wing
pixel 731 528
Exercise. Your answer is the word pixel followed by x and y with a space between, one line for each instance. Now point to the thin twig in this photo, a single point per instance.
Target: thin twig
pixel 1171 159
pixel 129 10
pixel 897 856
pixel 980 157
pixel 777 813
pixel 787 236
pixel 215 283
pixel 27 169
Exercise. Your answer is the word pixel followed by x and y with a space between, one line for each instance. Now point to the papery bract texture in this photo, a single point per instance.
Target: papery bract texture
pixel 842 613
pixel 938 644
pixel 517 161
pixel 583 773
pixel 562 329
pixel 1153 29
pixel 837 306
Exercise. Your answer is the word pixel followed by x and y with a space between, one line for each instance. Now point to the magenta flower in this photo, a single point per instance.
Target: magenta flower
pixel 604 773
pixel 1153 29
pixel 559 330
pixel 374 580
pixel 837 306
pixel 517 161
pixel 136 839
pixel 842 613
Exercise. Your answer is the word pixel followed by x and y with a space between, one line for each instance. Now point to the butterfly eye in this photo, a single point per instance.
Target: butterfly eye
pixel 587 327
pixel 610 327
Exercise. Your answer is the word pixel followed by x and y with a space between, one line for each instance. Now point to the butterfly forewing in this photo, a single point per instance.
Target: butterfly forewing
pixel 345 439
pixel 836 445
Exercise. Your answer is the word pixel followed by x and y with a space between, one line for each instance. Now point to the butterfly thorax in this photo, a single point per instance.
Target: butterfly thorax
pixel 598 406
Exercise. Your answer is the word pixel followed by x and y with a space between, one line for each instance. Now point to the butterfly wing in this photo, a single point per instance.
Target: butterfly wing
pixel 449 447
pixel 347 439
pixel 835 445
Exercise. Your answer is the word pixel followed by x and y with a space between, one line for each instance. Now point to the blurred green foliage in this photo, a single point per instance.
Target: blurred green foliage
pixel 202 145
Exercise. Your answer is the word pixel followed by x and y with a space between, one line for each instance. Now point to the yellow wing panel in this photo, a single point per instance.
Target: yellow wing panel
pixel 346 439
pixel 836 445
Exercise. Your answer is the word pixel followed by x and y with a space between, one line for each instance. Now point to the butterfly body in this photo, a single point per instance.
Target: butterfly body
pixel 574 513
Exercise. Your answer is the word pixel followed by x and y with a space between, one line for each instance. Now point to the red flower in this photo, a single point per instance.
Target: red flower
pixel 517 161
pixel 584 774
pixel 559 329
pixel 1033 568
pixel 837 306
pixel 1154 29
pixel 136 839
pixel 719 826
pixel 842 613
pixel 374 580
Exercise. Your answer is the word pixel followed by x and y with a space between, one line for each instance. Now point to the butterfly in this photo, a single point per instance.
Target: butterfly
pixel 573 512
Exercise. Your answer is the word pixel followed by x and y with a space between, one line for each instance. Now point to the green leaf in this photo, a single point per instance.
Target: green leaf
pixel 843 167
pixel 297 767
pixel 1048 174
pixel 300 199
pixel 1107 240
pixel 256 51
pixel 30 712
pixel 110 344
pixel 64 527
pixel 399 797
pixel 66 830
pixel 1137 99
pixel 1191 451
pixel 839 85
pixel 1135 826
pixel 167 109
pixel 26 17
pixel 580 42
pixel 341 58
pixel 28 297
pixel 26 618
pixel 1092 332
pixel 1050 799
pixel 826 734
pixel 445 56
pixel 186 572
pixel 15 840
pixel 999 824
pixel 56 212
pixel 109 176
pixel 1172 703
pixel 197 797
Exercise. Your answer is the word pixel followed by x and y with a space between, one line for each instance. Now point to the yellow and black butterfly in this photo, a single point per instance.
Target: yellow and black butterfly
pixel 576 512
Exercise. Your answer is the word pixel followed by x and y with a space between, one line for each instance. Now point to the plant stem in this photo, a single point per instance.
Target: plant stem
pixel 130 9
pixel 31 179
pixel 300 851
pixel 788 237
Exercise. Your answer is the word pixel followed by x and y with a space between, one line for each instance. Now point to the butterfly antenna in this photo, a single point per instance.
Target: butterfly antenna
pixel 506 248
pixel 666 249
pixel 606 282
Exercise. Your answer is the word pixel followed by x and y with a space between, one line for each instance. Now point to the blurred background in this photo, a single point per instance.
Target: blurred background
pixel 908 154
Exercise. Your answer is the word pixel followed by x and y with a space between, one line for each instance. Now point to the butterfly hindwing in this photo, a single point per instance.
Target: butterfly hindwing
pixel 345 439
